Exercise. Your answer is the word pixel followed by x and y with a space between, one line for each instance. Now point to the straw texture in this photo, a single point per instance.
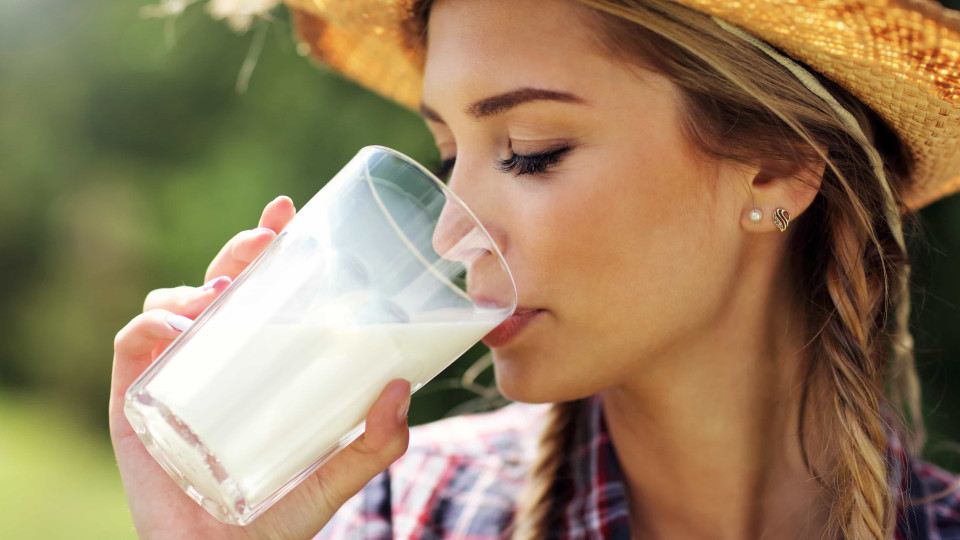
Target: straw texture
pixel 900 57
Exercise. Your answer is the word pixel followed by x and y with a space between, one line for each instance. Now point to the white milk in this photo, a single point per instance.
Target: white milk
pixel 267 411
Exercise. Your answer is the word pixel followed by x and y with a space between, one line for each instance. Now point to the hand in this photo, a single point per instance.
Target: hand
pixel 246 246
pixel 160 510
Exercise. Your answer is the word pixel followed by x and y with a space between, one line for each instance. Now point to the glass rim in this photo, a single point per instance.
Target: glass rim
pixel 452 196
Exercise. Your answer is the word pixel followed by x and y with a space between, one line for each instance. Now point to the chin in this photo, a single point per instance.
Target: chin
pixel 523 378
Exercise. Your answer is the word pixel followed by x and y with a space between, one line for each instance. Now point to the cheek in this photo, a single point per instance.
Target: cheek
pixel 618 217
pixel 631 255
pixel 631 251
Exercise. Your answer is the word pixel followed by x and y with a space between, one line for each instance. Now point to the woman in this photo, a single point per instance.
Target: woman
pixel 708 244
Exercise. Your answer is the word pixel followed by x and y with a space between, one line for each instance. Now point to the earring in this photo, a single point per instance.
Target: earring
pixel 781 218
pixel 756 215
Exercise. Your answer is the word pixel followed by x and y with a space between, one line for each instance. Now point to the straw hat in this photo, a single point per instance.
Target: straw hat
pixel 900 57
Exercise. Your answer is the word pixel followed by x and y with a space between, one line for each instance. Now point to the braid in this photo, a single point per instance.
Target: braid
pixel 862 503
pixel 533 518
pixel 850 364
pixel 904 382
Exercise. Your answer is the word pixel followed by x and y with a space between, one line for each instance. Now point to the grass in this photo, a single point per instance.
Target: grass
pixel 58 480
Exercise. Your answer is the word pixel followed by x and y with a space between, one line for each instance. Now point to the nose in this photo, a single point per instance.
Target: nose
pixel 457 236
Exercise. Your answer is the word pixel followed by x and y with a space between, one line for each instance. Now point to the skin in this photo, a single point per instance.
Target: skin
pixel 657 291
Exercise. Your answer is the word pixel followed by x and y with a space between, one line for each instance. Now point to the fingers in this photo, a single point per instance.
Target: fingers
pixel 186 301
pixel 132 354
pixel 139 336
pixel 246 246
pixel 167 313
pixel 385 440
pixel 277 214
pixel 239 252
pixel 323 493
pixel 386 427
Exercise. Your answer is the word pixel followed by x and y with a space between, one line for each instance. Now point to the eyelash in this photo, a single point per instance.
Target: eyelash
pixel 531 163
pixel 443 170
pixel 517 164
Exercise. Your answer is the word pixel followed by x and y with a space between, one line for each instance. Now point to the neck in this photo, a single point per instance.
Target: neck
pixel 708 436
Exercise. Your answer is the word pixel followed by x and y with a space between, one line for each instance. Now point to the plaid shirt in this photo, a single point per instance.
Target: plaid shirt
pixel 461 476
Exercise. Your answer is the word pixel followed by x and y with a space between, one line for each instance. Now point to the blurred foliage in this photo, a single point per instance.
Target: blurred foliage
pixel 127 158
pixel 127 165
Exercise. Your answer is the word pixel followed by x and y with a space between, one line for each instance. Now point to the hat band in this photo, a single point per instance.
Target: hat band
pixel 808 80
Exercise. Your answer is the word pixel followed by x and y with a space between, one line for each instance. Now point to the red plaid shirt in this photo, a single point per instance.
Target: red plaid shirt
pixel 461 476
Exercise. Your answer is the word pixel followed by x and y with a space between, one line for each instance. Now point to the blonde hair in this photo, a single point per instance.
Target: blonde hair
pixel 846 251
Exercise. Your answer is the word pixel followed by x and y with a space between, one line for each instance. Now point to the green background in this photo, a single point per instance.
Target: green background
pixel 125 163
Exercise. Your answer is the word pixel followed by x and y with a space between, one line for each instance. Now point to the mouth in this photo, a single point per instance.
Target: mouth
pixel 510 328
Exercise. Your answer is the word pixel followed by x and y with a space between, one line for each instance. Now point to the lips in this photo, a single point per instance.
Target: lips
pixel 510 328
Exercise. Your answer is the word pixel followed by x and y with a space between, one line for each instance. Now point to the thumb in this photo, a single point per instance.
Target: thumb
pixel 309 506
pixel 385 439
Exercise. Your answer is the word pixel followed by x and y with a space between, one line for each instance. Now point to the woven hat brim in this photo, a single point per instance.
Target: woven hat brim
pixel 901 58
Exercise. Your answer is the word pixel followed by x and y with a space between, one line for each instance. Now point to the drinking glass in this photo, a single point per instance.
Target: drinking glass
pixel 383 274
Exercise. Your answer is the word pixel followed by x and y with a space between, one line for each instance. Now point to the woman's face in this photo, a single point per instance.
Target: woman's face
pixel 621 232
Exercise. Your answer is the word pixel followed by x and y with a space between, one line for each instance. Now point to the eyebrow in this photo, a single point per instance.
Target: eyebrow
pixel 501 103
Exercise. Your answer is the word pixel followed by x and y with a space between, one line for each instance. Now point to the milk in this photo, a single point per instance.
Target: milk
pixel 268 401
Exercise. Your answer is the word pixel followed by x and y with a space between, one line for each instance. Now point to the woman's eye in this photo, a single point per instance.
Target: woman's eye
pixel 443 170
pixel 518 164
pixel 531 163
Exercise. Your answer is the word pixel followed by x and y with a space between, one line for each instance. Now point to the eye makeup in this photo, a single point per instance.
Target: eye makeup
pixel 539 163
pixel 516 164
pixel 443 169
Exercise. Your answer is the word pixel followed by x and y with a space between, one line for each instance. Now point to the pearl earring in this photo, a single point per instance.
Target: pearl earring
pixel 756 215
pixel 781 218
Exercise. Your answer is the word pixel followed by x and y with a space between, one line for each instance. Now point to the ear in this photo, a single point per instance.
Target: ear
pixel 789 185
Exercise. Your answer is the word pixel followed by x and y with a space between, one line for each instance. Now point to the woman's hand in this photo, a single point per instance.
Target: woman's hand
pixel 160 510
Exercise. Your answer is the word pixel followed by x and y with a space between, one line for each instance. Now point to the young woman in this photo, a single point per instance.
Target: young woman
pixel 707 238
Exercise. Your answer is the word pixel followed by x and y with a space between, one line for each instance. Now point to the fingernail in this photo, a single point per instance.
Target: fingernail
pixel 403 410
pixel 179 322
pixel 217 282
pixel 261 229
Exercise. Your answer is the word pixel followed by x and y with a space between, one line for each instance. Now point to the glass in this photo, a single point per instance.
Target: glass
pixel 383 274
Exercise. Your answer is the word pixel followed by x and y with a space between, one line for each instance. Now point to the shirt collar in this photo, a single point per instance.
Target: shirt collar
pixel 591 491
pixel 592 494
